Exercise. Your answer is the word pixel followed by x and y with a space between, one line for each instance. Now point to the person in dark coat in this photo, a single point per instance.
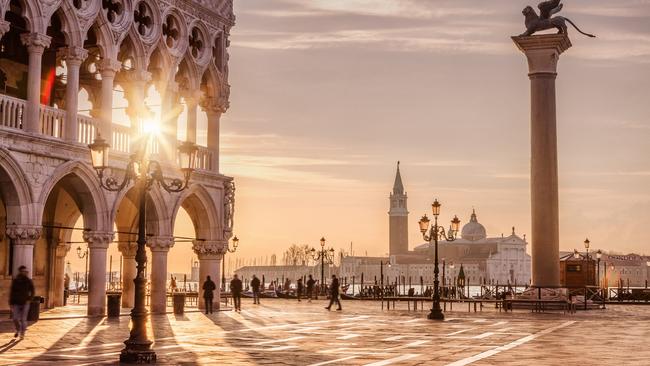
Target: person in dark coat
pixel 236 287
pixel 22 291
pixel 255 284
pixel 299 288
pixel 310 287
pixel 208 294
pixel 334 293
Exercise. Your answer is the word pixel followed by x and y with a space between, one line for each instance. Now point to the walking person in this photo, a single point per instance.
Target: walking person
pixel 255 284
pixel 66 289
pixel 299 288
pixel 334 294
pixel 208 294
pixel 22 291
pixel 236 287
pixel 310 287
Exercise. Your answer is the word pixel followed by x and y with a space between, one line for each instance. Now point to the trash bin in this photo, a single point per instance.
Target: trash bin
pixel 35 308
pixel 114 302
pixel 179 302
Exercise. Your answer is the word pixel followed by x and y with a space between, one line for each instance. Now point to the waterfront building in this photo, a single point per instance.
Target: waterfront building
pixel 63 66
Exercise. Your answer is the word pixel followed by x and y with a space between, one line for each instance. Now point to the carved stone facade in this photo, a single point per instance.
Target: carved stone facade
pixel 91 48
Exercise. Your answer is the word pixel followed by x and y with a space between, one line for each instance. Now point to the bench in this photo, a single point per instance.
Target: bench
pixel 540 305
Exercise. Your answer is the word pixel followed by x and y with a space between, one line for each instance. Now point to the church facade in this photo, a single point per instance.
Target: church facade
pixel 500 259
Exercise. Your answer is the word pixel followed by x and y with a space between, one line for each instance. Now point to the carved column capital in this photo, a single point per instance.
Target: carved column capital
pixel 62 249
pixel 24 234
pixel 212 105
pixel 74 55
pixel 128 250
pixel 108 67
pixel 4 27
pixel 210 249
pixel 98 239
pixel 35 42
pixel 160 243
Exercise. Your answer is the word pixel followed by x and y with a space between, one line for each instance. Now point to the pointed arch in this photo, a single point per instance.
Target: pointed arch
pixel 16 192
pixel 199 205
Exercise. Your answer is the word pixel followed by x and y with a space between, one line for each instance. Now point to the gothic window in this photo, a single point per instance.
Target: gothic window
pixel 142 16
pixel 170 31
pixel 113 9
pixel 80 4
pixel 196 42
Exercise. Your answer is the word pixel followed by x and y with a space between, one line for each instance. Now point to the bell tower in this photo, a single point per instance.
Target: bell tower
pixel 398 218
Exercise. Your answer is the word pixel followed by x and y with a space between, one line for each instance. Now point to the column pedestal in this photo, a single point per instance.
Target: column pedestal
pixel 97 246
pixel 210 255
pixel 543 52
pixel 159 248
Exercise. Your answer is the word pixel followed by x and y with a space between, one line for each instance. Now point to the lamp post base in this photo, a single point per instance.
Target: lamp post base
pixel 436 314
pixel 137 352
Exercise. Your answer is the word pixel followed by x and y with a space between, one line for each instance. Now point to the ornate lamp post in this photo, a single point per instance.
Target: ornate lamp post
pixel 599 255
pixel 325 256
pixel 436 232
pixel 235 244
pixel 587 247
pixel 145 173
pixel 84 254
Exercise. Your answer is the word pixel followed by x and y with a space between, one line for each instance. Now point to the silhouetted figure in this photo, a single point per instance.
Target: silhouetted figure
pixel 22 291
pixel 334 293
pixel 236 287
pixel 66 288
pixel 255 284
pixel 208 294
pixel 310 287
pixel 299 288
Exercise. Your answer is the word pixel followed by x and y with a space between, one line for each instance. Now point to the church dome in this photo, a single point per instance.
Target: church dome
pixel 473 230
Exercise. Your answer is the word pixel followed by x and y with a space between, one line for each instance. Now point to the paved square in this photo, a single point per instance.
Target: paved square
pixel 284 332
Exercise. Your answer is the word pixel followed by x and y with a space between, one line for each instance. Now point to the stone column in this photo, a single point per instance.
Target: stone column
pixel 60 251
pixel 214 111
pixel 192 102
pixel 210 254
pixel 36 44
pixel 108 68
pixel 23 238
pixel 543 52
pixel 135 85
pixel 129 272
pixel 74 56
pixel 159 248
pixel 97 245
pixel 170 110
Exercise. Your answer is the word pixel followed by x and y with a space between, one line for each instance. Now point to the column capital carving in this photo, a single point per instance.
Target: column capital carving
pixel 160 243
pixel 62 249
pixel 24 234
pixel 35 42
pixel 210 249
pixel 212 105
pixel 4 27
pixel 191 95
pixel 108 67
pixel 98 239
pixel 74 55
pixel 128 249
pixel 135 76
pixel 542 51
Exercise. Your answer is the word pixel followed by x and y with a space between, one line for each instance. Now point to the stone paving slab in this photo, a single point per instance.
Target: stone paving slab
pixel 285 332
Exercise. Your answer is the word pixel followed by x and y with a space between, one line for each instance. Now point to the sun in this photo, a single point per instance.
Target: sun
pixel 151 127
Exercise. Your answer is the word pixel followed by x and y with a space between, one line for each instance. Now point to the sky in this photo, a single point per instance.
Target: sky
pixel 327 95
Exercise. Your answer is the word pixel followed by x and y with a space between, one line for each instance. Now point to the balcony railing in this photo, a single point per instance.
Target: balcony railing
pixel 53 121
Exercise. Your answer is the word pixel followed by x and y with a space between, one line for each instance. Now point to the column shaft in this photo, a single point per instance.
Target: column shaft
pixel 97 247
pixel 128 275
pixel 192 109
pixel 159 281
pixel 106 105
pixel 36 44
pixel 214 120
pixel 210 266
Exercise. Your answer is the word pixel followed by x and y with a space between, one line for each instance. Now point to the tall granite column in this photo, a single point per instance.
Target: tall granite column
pixel 543 52
pixel 210 254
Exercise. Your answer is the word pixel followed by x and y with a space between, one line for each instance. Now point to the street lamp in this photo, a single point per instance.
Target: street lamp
pixel 84 254
pixel 324 255
pixel 436 232
pixel 144 172
pixel 235 244
pixel 587 247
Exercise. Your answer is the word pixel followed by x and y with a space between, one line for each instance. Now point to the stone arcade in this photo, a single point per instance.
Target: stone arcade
pixel 54 52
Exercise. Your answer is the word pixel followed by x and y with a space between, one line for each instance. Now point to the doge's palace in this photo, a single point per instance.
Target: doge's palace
pixel 62 64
